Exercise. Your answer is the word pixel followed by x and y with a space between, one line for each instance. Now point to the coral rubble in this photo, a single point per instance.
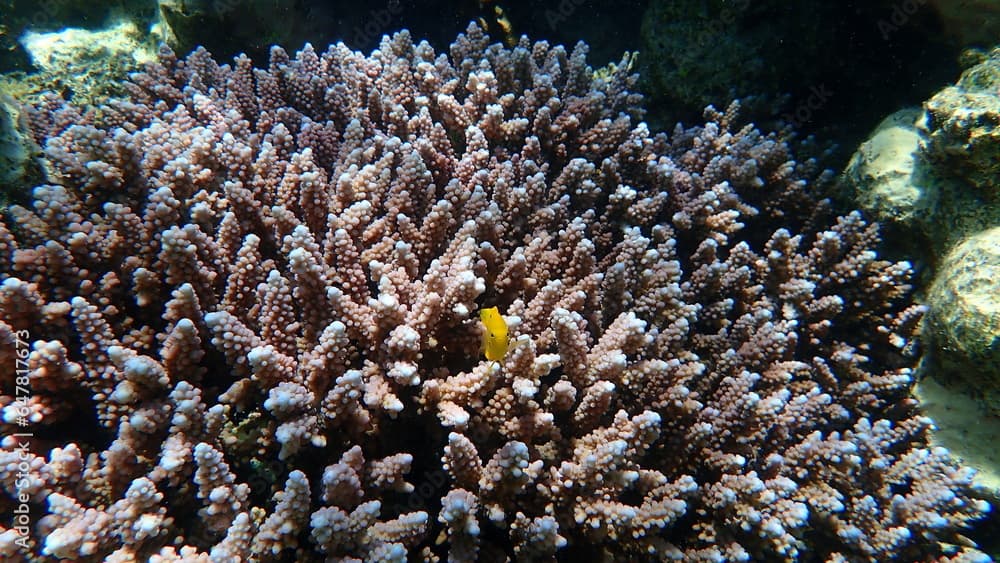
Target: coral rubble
pixel 251 299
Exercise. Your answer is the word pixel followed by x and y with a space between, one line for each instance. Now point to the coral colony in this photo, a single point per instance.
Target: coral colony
pixel 252 303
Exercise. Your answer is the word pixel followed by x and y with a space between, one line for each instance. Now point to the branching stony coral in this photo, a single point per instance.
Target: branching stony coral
pixel 252 296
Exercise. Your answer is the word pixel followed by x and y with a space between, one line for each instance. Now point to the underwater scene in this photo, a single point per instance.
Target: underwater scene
pixel 500 280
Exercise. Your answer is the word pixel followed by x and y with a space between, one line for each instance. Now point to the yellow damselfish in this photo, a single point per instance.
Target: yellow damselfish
pixel 494 334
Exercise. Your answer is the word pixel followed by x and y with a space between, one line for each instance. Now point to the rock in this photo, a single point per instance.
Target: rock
pixel 86 64
pixel 963 322
pixel 15 150
pixel 933 176
pixel 963 124
pixel 883 172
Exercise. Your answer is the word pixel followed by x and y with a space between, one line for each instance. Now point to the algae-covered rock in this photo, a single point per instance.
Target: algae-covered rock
pixel 883 172
pixel 963 122
pixel 20 16
pixel 961 150
pixel 963 321
pixel 17 168
pixel 935 174
pixel 85 64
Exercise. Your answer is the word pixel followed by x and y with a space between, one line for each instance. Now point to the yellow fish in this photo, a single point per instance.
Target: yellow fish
pixel 494 334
